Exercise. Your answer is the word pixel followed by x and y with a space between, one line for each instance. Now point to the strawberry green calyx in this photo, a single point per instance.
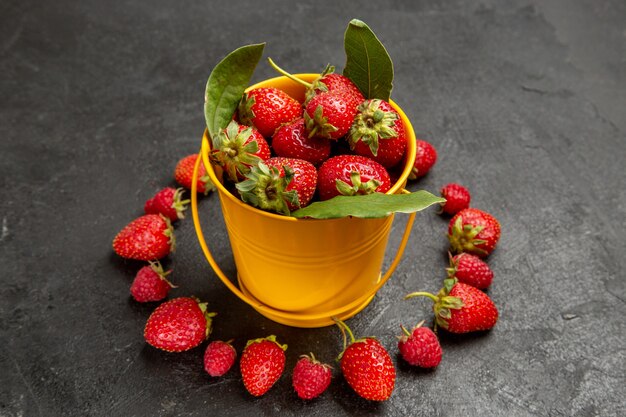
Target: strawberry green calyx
pixel 463 238
pixel 265 188
pixel 443 302
pixel 357 187
pixel 244 111
pixel 270 338
pixel 208 316
pixel 318 124
pixel 158 269
pixel 179 204
pixel 318 86
pixel 233 153
pixel 408 333
pixel 372 124
pixel 169 232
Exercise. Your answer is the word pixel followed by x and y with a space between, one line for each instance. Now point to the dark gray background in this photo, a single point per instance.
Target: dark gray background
pixel 524 100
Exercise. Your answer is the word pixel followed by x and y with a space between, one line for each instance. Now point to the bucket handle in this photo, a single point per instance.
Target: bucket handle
pixel 203 158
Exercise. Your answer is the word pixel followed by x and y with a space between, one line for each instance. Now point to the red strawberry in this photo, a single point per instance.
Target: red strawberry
pixel 367 366
pixel 378 133
pixel 219 357
pixel 167 202
pixel 351 175
pixel 262 363
pixel 290 141
pixel 474 231
pixel 184 173
pixel 420 347
pixel 237 148
pixel 268 108
pixel 470 270
pixel 328 115
pixel 310 377
pixel 178 325
pixel 457 198
pixel 461 308
pixel 146 238
pixel 150 283
pixel 425 158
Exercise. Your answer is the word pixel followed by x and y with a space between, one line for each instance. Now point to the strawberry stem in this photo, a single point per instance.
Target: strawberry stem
pixel 286 74
pixel 422 294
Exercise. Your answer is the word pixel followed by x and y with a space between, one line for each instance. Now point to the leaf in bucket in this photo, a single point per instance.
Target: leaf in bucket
pixel 369 206
pixel 368 64
pixel 226 84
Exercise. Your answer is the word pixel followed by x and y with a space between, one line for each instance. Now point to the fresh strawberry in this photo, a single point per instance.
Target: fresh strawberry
pixel 328 115
pixel 151 283
pixel 425 158
pixel 351 175
pixel 237 148
pixel 457 198
pixel 262 363
pixel 146 238
pixel 167 202
pixel 378 133
pixel 178 325
pixel 470 270
pixel 267 109
pixel 367 366
pixel 420 347
pixel 474 231
pixel 461 308
pixel 219 357
pixel 290 141
pixel 310 377
pixel 183 174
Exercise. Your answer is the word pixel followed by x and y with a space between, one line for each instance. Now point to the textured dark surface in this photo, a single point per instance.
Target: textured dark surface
pixel 524 100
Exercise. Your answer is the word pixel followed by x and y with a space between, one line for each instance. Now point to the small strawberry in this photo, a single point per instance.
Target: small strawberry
pixel 328 115
pixel 470 270
pixel 262 363
pixel 167 202
pixel 367 366
pixel 183 173
pixel 425 158
pixel 150 283
pixel 378 133
pixel 474 231
pixel 420 347
pixel 179 324
pixel 219 357
pixel 351 175
pixel 457 198
pixel 268 108
pixel 146 238
pixel 310 377
pixel 237 148
pixel 461 308
pixel 290 141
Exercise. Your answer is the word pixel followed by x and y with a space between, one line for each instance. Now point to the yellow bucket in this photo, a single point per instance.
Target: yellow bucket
pixel 303 272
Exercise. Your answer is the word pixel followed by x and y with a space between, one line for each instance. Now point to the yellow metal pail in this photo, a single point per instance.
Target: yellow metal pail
pixel 303 272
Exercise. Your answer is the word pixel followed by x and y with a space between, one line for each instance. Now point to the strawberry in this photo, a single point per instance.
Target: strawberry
pixel 351 175
pixel 267 108
pixel 425 158
pixel 474 231
pixel 146 238
pixel 262 363
pixel 219 357
pixel 367 366
pixel 461 308
pixel 310 377
pixel 179 324
pixel 183 173
pixel 237 148
pixel 290 141
pixel 470 270
pixel 378 133
pixel 457 198
pixel 328 115
pixel 167 202
pixel 150 283
pixel 420 347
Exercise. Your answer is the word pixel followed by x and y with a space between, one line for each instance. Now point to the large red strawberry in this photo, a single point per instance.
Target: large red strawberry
pixel 425 158
pixel 351 175
pixel 378 133
pixel 367 366
pixel 310 377
pixel 457 198
pixel 420 347
pixel 167 202
pixel 183 174
pixel 237 148
pixel 219 357
pixel 470 269
pixel 267 109
pixel 474 231
pixel 290 140
pixel 262 363
pixel 178 325
pixel 151 283
pixel 146 238
pixel 328 115
pixel 461 308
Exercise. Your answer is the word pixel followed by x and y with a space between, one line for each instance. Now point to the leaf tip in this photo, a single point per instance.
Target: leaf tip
pixel 358 23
